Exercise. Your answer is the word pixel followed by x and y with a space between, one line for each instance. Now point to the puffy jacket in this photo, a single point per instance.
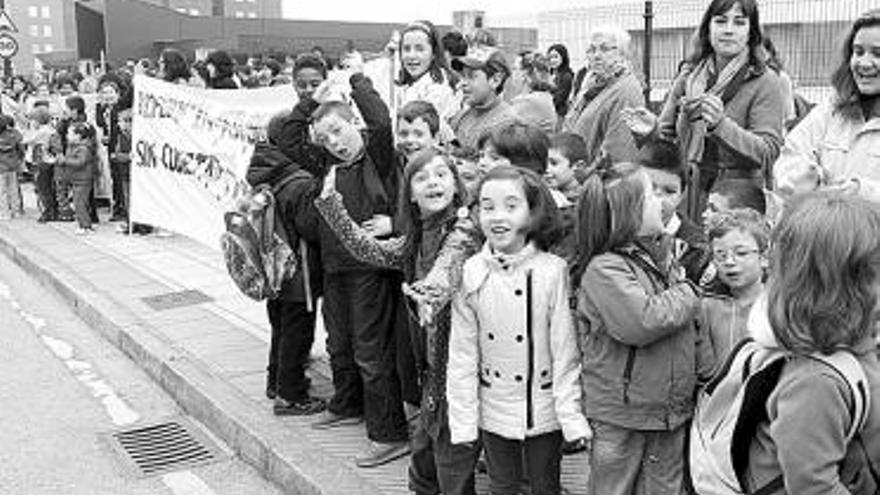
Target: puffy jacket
pixel 80 163
pixel 638 340
pixel 513 361
pixel 11 151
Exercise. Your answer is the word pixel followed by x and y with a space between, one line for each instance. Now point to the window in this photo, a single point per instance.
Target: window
pixel 49 47
pixel 182 10
pixel 45 11
pixel 252 1
pixel 252 15
pixel 193 11
pixel 239 14
pixel 35 48
pixel 34 30
pixel 47 31
pixel 32 11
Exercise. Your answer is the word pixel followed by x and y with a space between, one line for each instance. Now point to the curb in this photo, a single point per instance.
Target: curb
pixel 277 451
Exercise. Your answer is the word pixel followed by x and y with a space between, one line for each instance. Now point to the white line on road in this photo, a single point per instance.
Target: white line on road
pixel 186 483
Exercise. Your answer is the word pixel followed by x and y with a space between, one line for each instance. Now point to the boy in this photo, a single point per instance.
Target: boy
pixel 739 240
pixel 40 141
pixel 466 160
pixel 309 73
pixel 483 71
pixel 566 160
pixel 359 299
pixel 417 126
pixel 666 168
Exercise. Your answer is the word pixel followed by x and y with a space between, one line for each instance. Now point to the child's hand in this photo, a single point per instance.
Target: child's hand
pixel 378 226
pixel 422 300
pixel 640 121
pixel 329 182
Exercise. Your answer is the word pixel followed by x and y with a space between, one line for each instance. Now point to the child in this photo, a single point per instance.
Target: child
pixel 637 338
pixel 517 144
pixel 663 163
pixel 360 300
pixel 483 71
pixel 739 240
pixel 79 168
pixel 418 126
pixel 120 158
pixel 821 298
pixel 437 237
pixel 309 73
pixel 731 194
pixel 110 90
pixel 512 377
pixel 468 171
pixel 44 161
pixel 74 113
pixel 566 165
pixel 11 163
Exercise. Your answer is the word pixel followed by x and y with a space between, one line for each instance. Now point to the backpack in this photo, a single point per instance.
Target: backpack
pixel 256 248
pixel 733 404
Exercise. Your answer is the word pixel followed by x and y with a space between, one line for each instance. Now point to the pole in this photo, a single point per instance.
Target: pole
pixel 649 39
pixel 7 62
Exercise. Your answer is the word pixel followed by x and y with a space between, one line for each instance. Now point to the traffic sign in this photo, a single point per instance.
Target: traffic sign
pixel 6 23
pixel 8 46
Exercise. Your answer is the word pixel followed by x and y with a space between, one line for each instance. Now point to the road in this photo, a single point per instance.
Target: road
pixel 63 388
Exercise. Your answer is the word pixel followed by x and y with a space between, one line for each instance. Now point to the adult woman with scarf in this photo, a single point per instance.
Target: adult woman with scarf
pixel 725 108
pixel 609 87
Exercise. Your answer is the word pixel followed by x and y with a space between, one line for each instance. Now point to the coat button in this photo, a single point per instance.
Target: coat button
pixel 491 336
pixel 519 338
pixel 519 378
pixel 487 372
pixel 518 292
pixel 497 374
pixel 431 404
pixel 545 373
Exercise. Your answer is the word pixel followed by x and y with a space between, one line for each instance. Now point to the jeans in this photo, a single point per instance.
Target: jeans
pixel 10 195
pixel 81 207
pixel 359 314
pixel 633 462
pixel 293 332
pixel 44 182
pixel 541 454
pixel 120 200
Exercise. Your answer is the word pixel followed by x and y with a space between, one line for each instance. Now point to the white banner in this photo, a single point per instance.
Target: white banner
pixel 190 151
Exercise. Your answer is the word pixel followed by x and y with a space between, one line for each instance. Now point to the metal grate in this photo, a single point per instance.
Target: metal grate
pixel 172 300
pixel 163 447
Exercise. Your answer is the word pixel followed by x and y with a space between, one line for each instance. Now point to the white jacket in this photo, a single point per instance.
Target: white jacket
pixel 842 149
pixel 505 376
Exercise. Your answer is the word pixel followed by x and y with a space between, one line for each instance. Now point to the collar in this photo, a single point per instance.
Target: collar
pixel 673 225
pixel 487 261
pixel 758 324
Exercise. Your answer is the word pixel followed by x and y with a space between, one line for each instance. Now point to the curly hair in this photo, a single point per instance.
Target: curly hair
pixel 824 265
pixel 740 219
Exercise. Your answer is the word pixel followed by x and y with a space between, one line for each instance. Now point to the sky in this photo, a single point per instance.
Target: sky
pixel 437 11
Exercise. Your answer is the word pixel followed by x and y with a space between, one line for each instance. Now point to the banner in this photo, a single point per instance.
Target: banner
pixel 190 151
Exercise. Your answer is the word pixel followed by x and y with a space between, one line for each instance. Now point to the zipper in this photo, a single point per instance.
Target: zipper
pixel 530 415
pixel 627 373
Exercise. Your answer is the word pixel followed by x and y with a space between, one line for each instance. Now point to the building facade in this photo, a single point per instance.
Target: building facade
pixel 44 26
pixel 240 9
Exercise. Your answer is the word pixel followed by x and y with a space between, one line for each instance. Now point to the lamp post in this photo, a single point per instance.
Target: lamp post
pixel 7 62
pixel 649 39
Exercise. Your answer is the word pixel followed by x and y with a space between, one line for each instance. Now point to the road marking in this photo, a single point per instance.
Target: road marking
pixel 120 413
pixel 186 483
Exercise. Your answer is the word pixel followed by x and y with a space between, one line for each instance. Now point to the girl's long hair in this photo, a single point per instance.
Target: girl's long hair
pixel 410 221
pixel 703 47
pixel 824 263
pixel 438 59
pixel 848 100
pixel 609 213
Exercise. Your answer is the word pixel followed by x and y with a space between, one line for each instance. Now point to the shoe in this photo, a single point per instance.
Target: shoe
pixel 333 420
pixel 65 218
pixel 304 407
pixel 378 454
pixel 118 217
pixel 271 393
pixel 122 228
pixel 82 231
pixel 47 217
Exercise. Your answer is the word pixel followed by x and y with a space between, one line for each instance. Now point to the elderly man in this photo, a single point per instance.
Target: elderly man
pixel 608 87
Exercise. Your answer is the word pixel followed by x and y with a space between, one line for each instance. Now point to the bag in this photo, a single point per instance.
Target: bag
pixel 256 248
pixel 733 404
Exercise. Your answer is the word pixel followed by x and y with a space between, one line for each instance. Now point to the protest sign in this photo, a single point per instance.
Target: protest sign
pixel 190 151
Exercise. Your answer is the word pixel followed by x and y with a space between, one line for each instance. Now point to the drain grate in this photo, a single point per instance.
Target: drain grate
pixel 163 447
pixel 172 300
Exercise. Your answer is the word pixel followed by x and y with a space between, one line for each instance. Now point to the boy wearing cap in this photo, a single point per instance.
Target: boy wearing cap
pixel 483 74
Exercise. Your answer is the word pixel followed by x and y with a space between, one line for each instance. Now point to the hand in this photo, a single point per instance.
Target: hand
pixel 423 302
pixel 712 110
pixel 378 226
pixel 329 182
pixel 640 121
pixel 847 186
pixel 328 91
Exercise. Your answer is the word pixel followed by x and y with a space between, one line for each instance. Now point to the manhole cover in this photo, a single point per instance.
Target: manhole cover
pixel 163 447
pixel 172 300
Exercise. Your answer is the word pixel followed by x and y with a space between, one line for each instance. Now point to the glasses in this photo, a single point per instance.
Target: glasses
pixel 603 48
pixel 735 254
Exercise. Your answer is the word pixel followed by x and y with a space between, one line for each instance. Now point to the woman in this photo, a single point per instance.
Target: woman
pixel 608 88
pixel 725 108
pixel 837 145
pixel 423 75
pixel 536 105
pixel 173 67
pixel 220 67
pixel 560 69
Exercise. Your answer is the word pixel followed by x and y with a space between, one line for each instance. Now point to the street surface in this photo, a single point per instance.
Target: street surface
pixel 63 387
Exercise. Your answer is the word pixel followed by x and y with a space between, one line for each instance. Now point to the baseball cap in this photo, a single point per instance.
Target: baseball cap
pixel 481 58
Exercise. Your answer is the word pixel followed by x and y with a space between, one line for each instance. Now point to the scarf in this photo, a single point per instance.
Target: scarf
pixel 596 80
pixel 698 85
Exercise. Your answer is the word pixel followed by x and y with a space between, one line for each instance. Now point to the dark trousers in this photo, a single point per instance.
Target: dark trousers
pixel 81 211
pixel 439 466
pixel 359 314
pixel 293 332
pixel 120 201
pixel 44 182
pixel 542 456
pixel 407 335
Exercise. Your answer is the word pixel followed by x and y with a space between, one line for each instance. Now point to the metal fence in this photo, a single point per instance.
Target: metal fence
pixel 807 34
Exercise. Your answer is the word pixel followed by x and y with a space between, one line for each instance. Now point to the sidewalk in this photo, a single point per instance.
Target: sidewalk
pixel 208 349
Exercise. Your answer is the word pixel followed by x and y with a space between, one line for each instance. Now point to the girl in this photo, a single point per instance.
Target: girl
pixel 78 168
pixel 11 163
pixel 821 297
pixel 423 74
pixel 637 338
pixel 438 236
pixel 563 77
pixel 513 369
pixel 725 107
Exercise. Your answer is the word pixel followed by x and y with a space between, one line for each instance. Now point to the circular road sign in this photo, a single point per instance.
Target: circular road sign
pixel 8 46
